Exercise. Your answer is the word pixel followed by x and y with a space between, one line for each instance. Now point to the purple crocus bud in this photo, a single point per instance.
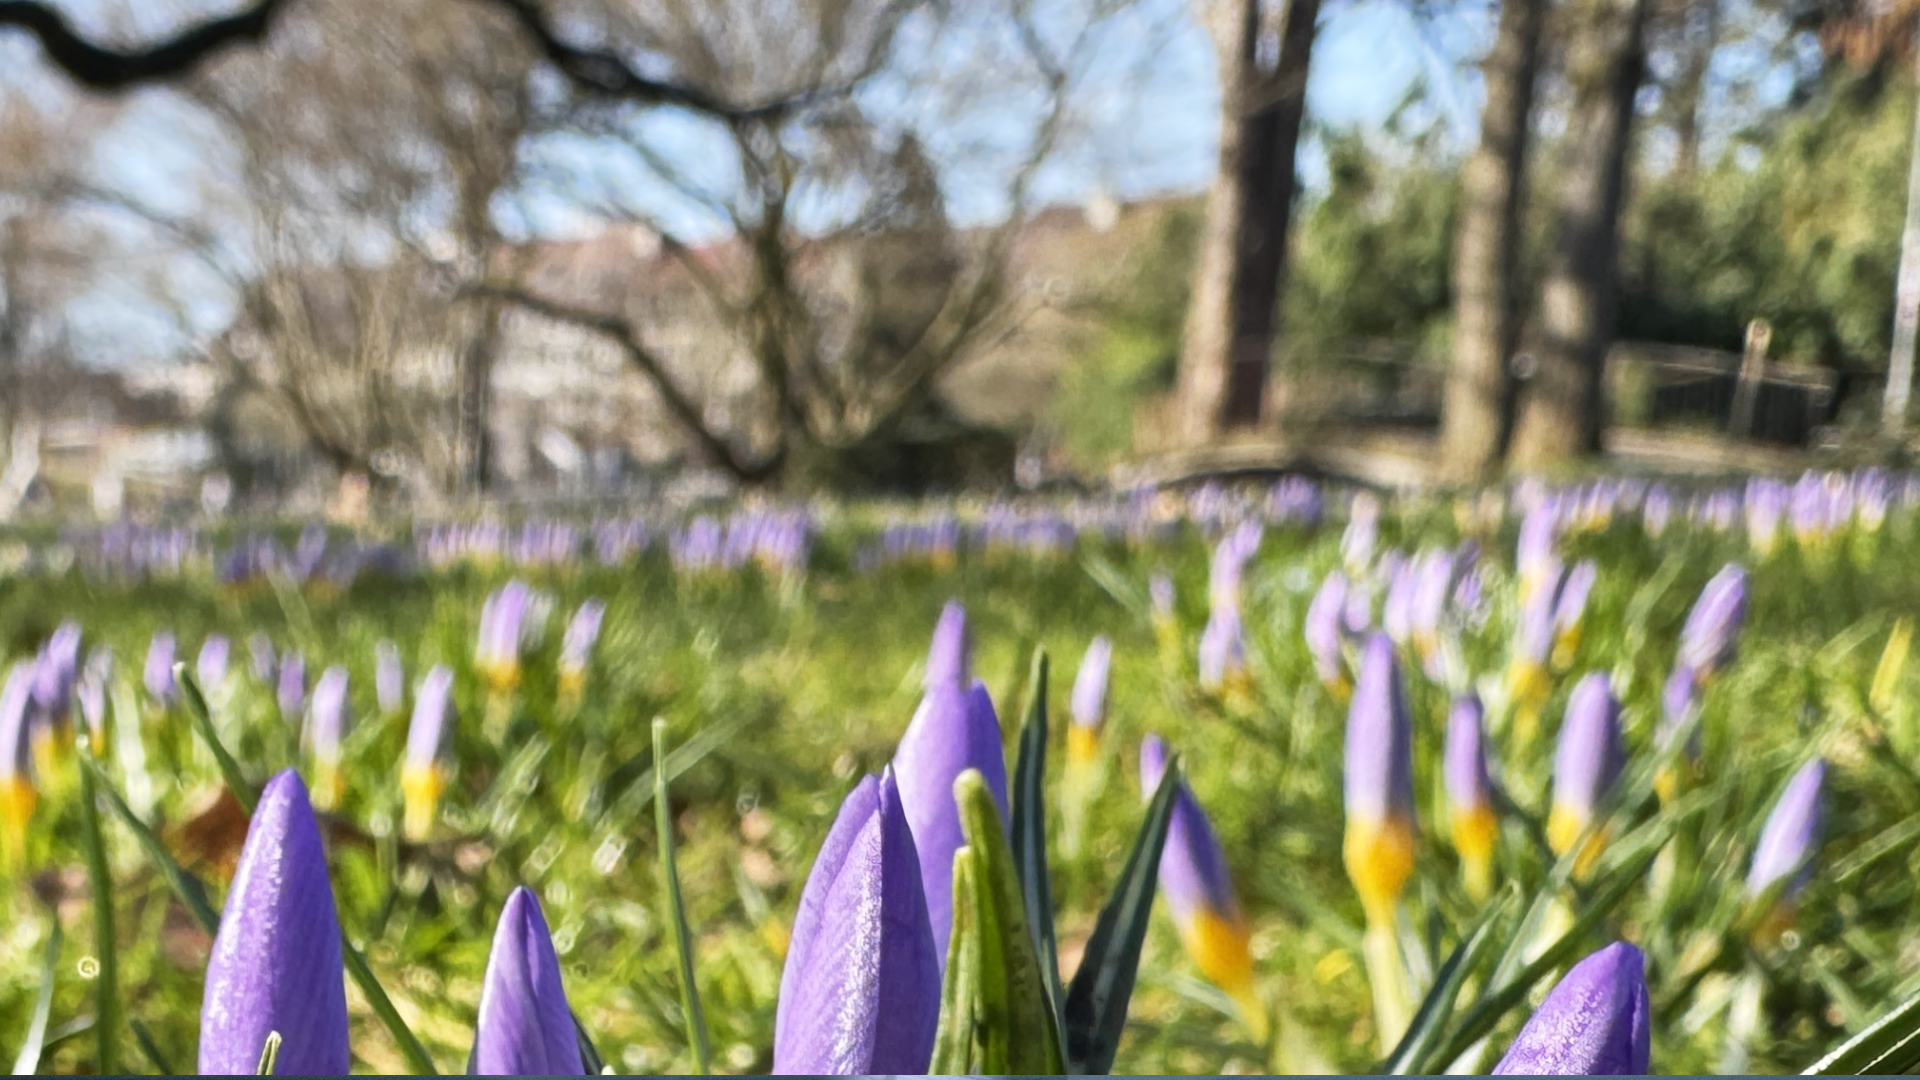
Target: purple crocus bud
pixel 1533 555
pixel 948 661
pixel 1586 763
pixel 1088 703
pixel 1784 857
pixel 92 695
pixel 210 668
pixel 861 990
pixel 423 775
pixel 54 673
pixel 1593 1023
pixel 1656 510
pixel 525 1027
pixel 953 730
pixel 326 727
pixel 1379 783
pixel 17 793
pixel 1223 650
pixel 1434 580
pixel 1474 823
pixel 290 691
pixel 1396 612
pixel 1710 640
pixel 159 673
pixel 502 632
pixel 389 678
pixel 1199 890
pixel 1570 609
pixel 1325 635
pixel 576 648
pixel 1766 505
pixel 265 662
pixel 276 961
pixel 1160 594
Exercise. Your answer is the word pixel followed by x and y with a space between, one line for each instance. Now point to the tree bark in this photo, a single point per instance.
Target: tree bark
pixel 1487 251
pixel 1242 267
pixel 1562 404
pixel 1686 92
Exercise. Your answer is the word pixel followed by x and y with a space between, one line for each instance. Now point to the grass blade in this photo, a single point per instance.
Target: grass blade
pixel 155 1057
pixel 1890 1044
pixel 1096 1005
pixel 1030 834
pixel 106 985
pixel 419 1062
pixel 28 1062
pixel 1413 1053
pixel 676 908
pixel 589 1053
pixel 202 719
pixel 186 887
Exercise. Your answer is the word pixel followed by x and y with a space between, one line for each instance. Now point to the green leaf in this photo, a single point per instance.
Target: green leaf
pixel 186 887
pixel 1097 999
pixel 202 718
pixel 997 1018
pixel 28 1062
pixel 106 984
pixel 589 1054
pixel 419 1062
pixel 155 1057
pixel 1413 1055
pixel 1887 1046
pixel 1029 834
pixel 696 1020
pixel 269 1055
pixel 1486 1013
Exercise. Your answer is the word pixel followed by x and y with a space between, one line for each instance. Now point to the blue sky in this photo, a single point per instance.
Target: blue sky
pixel 1151 125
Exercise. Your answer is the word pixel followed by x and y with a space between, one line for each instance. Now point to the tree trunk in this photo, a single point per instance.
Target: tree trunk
pixel 1487 251
pixel 476 401
pixel 1685 94
pixel 1243 250
pixel 1562 405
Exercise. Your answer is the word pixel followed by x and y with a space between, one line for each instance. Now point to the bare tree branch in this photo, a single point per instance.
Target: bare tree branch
pixel 104 68
pixel 621 333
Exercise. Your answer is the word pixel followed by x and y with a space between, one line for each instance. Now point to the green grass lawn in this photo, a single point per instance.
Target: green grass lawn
pixel 799 686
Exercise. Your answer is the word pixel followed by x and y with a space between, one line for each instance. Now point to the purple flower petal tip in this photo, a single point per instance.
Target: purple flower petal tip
pixel 861 988
pixel 276 960
pixel 525 1027
pixel 1593 1023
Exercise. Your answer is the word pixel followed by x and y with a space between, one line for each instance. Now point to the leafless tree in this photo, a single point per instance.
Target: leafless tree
pixel 829 266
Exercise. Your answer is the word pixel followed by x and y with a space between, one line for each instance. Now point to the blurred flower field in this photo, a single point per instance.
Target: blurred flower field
pixel 1456 742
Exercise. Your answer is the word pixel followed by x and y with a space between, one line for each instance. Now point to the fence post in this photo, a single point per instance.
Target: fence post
pixel 1746 387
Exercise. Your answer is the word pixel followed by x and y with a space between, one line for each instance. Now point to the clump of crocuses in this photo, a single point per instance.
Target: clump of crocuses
pixel 1595 1021
pixel 276 960
pixel 861 988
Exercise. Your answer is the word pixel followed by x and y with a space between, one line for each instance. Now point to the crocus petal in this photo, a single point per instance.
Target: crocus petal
pixel 1710 640
pixel 953 731
pixel 1196 883
pixel 1593 1023
pixel 525 1027
pixel 948 659
pixel 211 666
pixel 1791 834
pixel 276 960
pixel 1088 703
pixel 159 673
pixel 1378 846
pixel 389 677
pixel 861 990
